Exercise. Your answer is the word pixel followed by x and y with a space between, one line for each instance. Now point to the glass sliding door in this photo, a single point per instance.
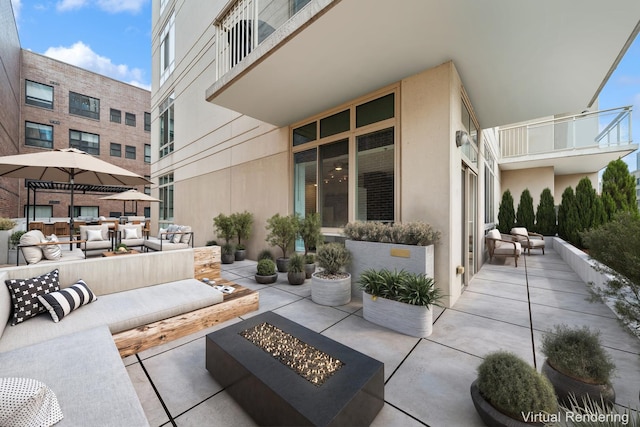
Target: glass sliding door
pixel 334 184
pixel 376 184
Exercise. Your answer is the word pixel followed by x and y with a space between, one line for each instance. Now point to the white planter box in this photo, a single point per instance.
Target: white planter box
pixel 414 320
pixel 368 255
pixel 330 292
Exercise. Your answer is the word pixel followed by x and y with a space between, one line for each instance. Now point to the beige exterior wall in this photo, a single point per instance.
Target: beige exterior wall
pixel 535 179
pixel 564 181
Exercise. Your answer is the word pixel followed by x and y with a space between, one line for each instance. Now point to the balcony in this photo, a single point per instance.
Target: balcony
pixel 580 143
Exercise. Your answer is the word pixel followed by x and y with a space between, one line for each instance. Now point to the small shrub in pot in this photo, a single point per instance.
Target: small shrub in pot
pixel 331 286
pixel 296 274
pixel 266 271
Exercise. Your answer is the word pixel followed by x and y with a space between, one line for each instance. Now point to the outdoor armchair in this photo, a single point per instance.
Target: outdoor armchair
pixel 528 239
pixel 501 246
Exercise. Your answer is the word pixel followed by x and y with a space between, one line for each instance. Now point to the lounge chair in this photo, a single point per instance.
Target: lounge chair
pixel 528 239
pixel 499 245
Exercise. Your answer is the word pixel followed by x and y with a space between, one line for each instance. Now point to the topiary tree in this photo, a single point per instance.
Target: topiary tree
pixel 224 227
pixel 506 213
pixel 310 231
pixel 525 216
pixel 282 232
pixel 568 221
pixel 242 222
pixel 618 189
pixel 589 207
pixel 546 214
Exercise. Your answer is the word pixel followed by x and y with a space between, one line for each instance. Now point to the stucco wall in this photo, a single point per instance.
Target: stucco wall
pixel 564 181
pixel 535 179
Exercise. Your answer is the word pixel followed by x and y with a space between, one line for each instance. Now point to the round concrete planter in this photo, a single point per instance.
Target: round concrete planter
pixel 490 415
pixel 240 254
pixel 565 385
pixel 228 258
pixel 282 264
pixel 266 280
pixel 330 292
pixel 413 320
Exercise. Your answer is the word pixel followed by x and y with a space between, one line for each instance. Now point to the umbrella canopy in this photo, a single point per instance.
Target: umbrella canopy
pixel 67 165
pixel 130 195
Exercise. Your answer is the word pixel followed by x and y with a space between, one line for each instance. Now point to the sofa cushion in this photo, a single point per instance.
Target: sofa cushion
pixel 494 234
pixel 32 254
pixel 130 233
pixel 51 252
pixel 79 368
pixel 25 292
pixel 94 235
pixel 64 301
pixel 186 238
pixel 155 245
pixel 170 230
pixel 27 402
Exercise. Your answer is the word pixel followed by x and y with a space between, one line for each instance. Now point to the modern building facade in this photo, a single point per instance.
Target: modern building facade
pixel 48 104
pixel 374 110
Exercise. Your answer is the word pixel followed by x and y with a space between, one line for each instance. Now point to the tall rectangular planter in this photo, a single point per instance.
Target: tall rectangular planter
pixel 368 255
pixel 413 320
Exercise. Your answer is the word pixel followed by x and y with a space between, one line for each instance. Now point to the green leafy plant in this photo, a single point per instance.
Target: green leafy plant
pixel 309 259
pixel 577 352
pixel 524 215
pixel 265 254
pixel 121 247
pixel 620 259
pixel 282 232
pixel 310 231
pixel 402 286
pixel 296 263
pixel 589 206
pixel 242 222
pixel 408 233
pixel 211 243
pixel 618 189
pixel 332 257
pixel 7 223
pixel 224 227
pixel 514 387
pixel 14 239
pixel 568 220
pixel 546 221
pixel 266 267
pixel 506 213
pixel 227 249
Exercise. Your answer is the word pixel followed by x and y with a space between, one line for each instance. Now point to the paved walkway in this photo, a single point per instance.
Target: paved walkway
pixel 426 380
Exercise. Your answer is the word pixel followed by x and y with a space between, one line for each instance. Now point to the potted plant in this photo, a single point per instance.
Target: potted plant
pixel 331 285
pixel 224 227
pixel 400 300
pixel 266 273
pixel 242 222
pixel 510 392
pixel 311 235
pixel 282 232
pixel 121 248
pixel 296 274
pixel 265 254
pixel 6 225
pixel 578 364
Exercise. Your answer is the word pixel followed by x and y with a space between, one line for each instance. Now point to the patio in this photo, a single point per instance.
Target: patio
pixel 426 380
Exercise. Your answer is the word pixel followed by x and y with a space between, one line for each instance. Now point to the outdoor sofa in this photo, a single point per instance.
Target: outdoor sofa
pixel 142 300
pixel 169 239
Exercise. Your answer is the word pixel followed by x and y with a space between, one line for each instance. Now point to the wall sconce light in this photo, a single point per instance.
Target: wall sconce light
pixel 462 138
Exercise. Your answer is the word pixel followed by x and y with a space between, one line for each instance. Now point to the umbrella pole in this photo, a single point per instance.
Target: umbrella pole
pixel 71 228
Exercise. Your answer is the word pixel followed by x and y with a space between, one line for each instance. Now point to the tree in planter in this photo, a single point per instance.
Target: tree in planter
pixel 506 213
pixel 282 232
pixel 242 222
pixel 311 235
pixel 225 228
pixel 546 214
pixel 616 245
pixel 589 206
pixel 618 189
pixel 568 221
pixel 524 215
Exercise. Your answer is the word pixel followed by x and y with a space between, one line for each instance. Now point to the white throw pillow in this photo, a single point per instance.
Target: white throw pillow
pixel 32 254
pixel 27 402
pixel 177 237
pixel 94 235
pixel 130 233
pixel 161 234
pixel 51 251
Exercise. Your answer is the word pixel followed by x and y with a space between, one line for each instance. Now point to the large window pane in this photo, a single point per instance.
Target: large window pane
pixel 166 126
pixel 305 185
pixel 334 186
pixel 304 134
pixel 83 105
pixel 375 111
pixel 166 198
pixel 85 141
pixel 39 94
pixel 375 191
pixel 37 135
pixel 335 124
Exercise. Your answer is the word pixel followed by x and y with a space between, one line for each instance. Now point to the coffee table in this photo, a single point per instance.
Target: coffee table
pixel 113 253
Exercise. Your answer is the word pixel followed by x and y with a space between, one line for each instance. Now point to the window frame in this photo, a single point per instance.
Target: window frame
pixel 167 49
pixel 147 122
pixel 93 105
pixel 115 118
pixel 113 145
pixel 130 119
pixel 130 152
pixel 147 153
pixel 91 150
pixel 167 136
pixel 26 138
pixel 166 196
pixel 35 101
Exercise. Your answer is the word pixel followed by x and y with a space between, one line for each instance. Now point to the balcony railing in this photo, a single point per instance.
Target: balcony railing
pixel 244 24
pixel 605 128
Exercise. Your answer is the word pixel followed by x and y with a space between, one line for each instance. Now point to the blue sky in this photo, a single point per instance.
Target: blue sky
pixel 113 37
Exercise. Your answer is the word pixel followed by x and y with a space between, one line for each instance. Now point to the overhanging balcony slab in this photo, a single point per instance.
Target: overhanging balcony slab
pixel 573 161
pixel 517 60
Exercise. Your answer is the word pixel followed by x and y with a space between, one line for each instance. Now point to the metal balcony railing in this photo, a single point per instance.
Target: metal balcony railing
pixel 244 24
pixel 605 128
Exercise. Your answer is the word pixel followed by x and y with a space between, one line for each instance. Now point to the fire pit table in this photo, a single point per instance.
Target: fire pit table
pixel 282 373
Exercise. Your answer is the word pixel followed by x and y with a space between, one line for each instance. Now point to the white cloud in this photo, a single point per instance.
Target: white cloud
pixel 111 6
pixel 17 5
pixel 81 55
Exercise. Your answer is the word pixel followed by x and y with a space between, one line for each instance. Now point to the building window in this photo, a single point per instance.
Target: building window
pixel 115 150
pixel 38 211
pixel 85 141
pixel 83 105
pixel 38 94
pixel 130 152
pixel 147 122
pixel 489 185
pixel 167 49
pixel 130 119
pixel 115 115
pixel 37 135
pixel 166 126
pixel 166 197
pixel 470 148
pixel 147 153
pixel 147 189
pixel 323 171
pixel 86 211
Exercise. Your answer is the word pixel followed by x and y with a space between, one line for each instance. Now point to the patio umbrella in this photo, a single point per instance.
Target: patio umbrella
pixel 67 165
pixel 132 195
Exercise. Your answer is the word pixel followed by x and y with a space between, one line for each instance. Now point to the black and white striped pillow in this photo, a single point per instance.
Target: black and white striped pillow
pixel 64 301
